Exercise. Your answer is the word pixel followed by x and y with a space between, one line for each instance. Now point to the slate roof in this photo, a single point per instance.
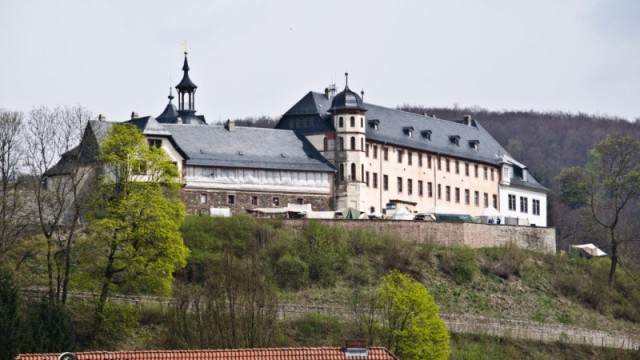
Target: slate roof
pixel 393 128
pixel 324 353
pixel 257 148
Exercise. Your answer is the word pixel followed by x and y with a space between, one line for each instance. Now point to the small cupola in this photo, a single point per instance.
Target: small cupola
pixel 347 100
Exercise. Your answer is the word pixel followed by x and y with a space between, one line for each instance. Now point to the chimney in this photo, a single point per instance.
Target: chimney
pixel 231 125
pixel 356 348
pixel 467 120
pixel 326 92
pixel 134 115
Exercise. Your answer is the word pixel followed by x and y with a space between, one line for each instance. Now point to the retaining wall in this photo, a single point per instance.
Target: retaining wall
pixel 460 234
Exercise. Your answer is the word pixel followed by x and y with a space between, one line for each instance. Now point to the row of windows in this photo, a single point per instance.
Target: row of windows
pixel 254 200
pixel 352 122
pixel 488 173
pixel 258 176
pixel 352 144
pixel 524 204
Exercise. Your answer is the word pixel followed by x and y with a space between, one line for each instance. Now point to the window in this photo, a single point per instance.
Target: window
pixel 361 122
pixel 362 172
pixel 485 173
pixel 254 200
pixel 399 184
pixel 457 167
pixel 524 204
pixel 492 174
pixel 409 186
pixel 375 151
pixel 467 197
pixel 426 134
pixel 341 143
pixel 155 143
pixel 446 165
pixel 429 189
pixel 419 159
pixel 375 180
pixel 366 178
pixel 447 194
pixel 455 140
pixel 429 161
pixel 466 169
pixel 439 191
pixel 362 145
pixel 300 201
pixel 400 153
pixel 409 156
pixel 385 182
pixel 495 201
pixel 439 164
pixel 276 200
pixel 475 170
pixel 486 200
pixel 353 143
pixel 385 154
pixel 457 194
pixel 352 121
pixel 231 199
pixel 366 151
pixel 420 187
pixel 512 202
pixel 326 144
pixel 340 122
pixel 535 205
pixel 341 172
pixel 353 172
pixel 476 198
pixel 203 198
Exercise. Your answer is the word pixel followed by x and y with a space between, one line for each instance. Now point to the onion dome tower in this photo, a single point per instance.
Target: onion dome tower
pixel 186 111
pixel 348 118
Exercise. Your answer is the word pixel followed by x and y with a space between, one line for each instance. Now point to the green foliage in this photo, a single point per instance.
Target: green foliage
pixel 506 262
pixel 326 252
pixel 410 326
pixel 291 272
pixel 459 263
pixel 316 330
pixel 47 328
pixel 9 317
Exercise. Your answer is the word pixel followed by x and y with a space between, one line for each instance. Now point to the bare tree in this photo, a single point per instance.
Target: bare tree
pixel 13 217
pixel 58 163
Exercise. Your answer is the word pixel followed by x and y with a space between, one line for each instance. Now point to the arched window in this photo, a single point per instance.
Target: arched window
pixel 352 121
pixel 361 122
pixel 362 144
pixel 353 172
pixel 326 144
pixel 341 143
pixel 362 171
pixel 340 122
pixel 341 172
pixel 353 143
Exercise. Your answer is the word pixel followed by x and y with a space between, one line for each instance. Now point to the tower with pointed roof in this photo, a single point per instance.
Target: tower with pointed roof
pixel 348 118
pixel 186 111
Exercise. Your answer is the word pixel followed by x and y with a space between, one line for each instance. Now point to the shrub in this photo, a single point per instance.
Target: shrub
pixel 315 329
pixel 459 263
pixel 406 257
pixel 291 272
pixel 505 262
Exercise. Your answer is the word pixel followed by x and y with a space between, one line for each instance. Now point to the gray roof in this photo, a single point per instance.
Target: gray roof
pixel 394 126
pixel 256 148
pixel 149 126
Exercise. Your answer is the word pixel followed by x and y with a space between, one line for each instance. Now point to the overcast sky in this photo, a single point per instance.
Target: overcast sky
pixel 252 58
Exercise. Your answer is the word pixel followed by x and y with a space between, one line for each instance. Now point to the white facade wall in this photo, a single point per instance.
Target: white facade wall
pixel 520 195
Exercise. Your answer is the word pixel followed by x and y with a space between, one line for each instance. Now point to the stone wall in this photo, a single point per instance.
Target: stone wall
pixel 460 234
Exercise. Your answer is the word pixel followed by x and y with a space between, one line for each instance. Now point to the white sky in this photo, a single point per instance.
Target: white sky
pixel 253 58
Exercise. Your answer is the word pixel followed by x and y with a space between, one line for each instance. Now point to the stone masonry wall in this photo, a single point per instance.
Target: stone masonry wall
pixel 460 234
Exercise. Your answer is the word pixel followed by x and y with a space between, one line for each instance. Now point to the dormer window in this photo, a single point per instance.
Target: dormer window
pixel 426 134
pixel 474 144
pixel 408 130
pixel 374 124
pixel 455 140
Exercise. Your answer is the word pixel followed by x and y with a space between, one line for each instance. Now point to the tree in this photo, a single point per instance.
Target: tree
pixel 55 135
pixel 409 323
pixel 606 186
pixel 136 218
pixel 9 317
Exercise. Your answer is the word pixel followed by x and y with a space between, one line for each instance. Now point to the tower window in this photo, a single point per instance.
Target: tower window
pixel 353 143
pixel 340 122
pixel 352 121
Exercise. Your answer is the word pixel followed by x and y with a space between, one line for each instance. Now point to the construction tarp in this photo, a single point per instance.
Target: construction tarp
pixel 590 250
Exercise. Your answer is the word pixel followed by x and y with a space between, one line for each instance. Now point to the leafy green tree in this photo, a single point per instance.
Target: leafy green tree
pixel 136 218
pixel 409 323
pixel 606 186
pixel 9 317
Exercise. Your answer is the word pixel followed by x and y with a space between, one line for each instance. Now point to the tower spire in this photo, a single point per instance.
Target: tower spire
pixel 346 80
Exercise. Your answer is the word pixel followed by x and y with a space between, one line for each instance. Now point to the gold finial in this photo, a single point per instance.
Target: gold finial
pixel 184 47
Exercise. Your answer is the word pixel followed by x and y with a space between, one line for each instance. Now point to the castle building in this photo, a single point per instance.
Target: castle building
pixel 387 157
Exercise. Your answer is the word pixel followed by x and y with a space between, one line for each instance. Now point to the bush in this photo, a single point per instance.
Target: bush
pixel 316 329
pixel 406 257
pixel 459 263
pixel 505 262
pixel 291 272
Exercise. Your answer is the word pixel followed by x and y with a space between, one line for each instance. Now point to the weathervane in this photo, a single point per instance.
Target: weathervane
pixel 184 47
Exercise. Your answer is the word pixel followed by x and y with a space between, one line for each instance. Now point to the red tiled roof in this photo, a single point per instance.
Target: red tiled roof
pixel 324 353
